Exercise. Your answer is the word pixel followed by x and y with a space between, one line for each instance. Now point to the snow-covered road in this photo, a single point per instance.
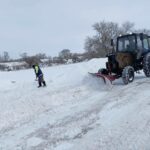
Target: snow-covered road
pixel 74 112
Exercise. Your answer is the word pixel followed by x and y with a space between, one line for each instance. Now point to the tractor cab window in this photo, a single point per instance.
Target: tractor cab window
pixel 142 44
pixel 149 40
pixel 126 44
pixel 139 43
pixel 145 44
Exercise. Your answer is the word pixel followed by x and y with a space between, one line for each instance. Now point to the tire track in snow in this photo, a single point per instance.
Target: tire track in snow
pixel 52 127
pixel 71 105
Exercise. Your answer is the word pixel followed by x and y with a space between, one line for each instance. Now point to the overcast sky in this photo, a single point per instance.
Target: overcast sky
pixel 48 26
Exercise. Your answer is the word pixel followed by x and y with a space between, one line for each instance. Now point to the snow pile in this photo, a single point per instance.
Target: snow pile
pixel 74 112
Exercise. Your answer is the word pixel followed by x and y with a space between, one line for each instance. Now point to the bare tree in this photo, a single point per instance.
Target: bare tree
pixel 93 47
pixel 65 54
pixel 41 55
pixel 100 44
pixel 24 56
pixel 127 27
pixel 58 60
pixel 5 56
pixel 105 32
pixel 32 60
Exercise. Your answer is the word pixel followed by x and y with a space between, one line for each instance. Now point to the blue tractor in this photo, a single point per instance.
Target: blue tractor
pixel 132 53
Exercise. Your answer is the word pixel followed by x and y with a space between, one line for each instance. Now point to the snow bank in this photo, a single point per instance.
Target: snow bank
pixel 75 111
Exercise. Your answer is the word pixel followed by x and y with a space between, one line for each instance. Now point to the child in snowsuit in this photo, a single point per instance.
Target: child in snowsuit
pixel 39 75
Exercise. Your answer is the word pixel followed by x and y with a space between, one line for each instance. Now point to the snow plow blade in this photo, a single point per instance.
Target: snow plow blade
pixel 104 77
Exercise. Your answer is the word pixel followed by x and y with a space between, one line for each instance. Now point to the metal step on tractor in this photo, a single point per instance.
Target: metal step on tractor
pixel 132 53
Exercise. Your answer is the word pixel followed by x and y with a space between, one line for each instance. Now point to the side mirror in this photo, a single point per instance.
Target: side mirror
pixel 112 42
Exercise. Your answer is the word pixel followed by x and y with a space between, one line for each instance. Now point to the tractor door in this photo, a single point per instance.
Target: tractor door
pixel 143 46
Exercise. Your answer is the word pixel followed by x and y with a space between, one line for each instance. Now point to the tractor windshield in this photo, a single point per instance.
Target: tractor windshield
pixel 126 43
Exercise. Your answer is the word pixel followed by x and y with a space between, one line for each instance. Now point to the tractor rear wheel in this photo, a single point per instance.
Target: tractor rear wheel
pixel 146 65
pixel 128 75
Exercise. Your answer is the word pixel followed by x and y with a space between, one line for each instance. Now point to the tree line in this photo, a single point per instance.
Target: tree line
pixel 25 61
pixel 95 46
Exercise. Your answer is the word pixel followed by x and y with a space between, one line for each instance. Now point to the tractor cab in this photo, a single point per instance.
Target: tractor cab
pixel 133 43
pixel 130 50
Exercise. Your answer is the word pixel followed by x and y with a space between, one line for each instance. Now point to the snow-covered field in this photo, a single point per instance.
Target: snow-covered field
pixel 74 112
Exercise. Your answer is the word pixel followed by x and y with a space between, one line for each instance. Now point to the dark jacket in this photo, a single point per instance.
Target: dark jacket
pixel 37 70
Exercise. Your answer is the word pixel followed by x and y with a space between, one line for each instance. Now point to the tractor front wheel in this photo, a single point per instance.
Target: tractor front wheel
pixel 128 74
